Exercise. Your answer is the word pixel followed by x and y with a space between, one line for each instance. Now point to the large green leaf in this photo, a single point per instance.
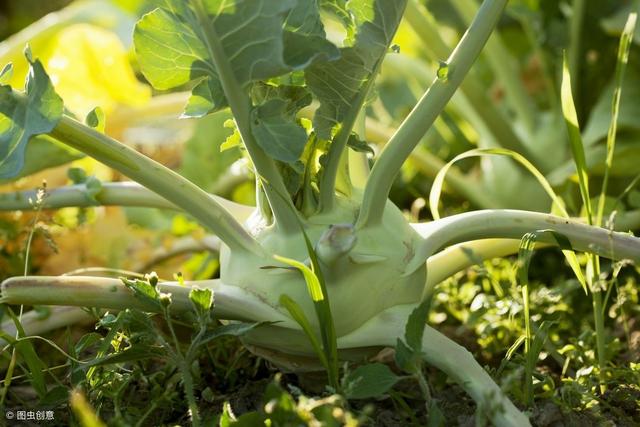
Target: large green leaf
pixel 262 38
pixel 338 83
pixel 22 117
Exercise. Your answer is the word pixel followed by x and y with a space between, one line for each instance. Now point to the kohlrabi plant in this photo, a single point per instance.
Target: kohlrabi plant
pixel 325 258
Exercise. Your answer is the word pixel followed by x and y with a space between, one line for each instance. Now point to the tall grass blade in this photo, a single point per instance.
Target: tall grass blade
pixel 438 182
pixel 298 315
pixel 621 65
pixel 27 351
pixel 575 139
pixel 318 291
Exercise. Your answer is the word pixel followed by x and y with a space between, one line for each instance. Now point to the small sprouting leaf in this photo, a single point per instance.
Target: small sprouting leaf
pixel 77 175
pixel 369 381
pixel 227 417
pixel 143 290
pixel 36 112
pixel 93 186
pixel 6 74
pixel 514 347
pixel 357 144
pixel 202 300
pixel 443 71
pixel 206 96
pixel 279 136
pixel 233 140
pixel 96 119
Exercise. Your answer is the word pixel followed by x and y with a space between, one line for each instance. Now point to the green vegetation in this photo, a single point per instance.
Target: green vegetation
pixel 311 143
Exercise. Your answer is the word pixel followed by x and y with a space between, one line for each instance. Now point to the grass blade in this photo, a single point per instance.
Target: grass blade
pixel 575 139
pixel 317 290
pixel 298 315
pixel 438 182
pixel 621 65
pixel 27 351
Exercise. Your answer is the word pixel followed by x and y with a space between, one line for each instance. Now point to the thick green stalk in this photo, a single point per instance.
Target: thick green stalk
pixel 504 67
pixel 110 194
pixel 430 164
pixel 358 162
pixel 232 303
pixel 281 205
pixel 513 224
pixel 425 26
pixel 159 179
pixel 335 156
pixel 425 112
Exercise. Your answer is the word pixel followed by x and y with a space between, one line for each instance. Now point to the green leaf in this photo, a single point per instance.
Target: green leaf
pixel 296 97
pixel 93 186
pixel 44 152
pixel 25 349
pixel 206 96
pixel 202 161
pixel 313 283
pixel 202 300
pixel 369 381
pixel 77 175
pixel 227 417
pixel 262 39
pixel 415 326
pixel 22 117
pixel 405 357
pixel 338 83
pixel 96 119
pixel 6 74
pixel 279 136
pixel 297 313
pixel 143 290
pixel 304 37
pixel 436 417
pixel 359 145
pixel 575 139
